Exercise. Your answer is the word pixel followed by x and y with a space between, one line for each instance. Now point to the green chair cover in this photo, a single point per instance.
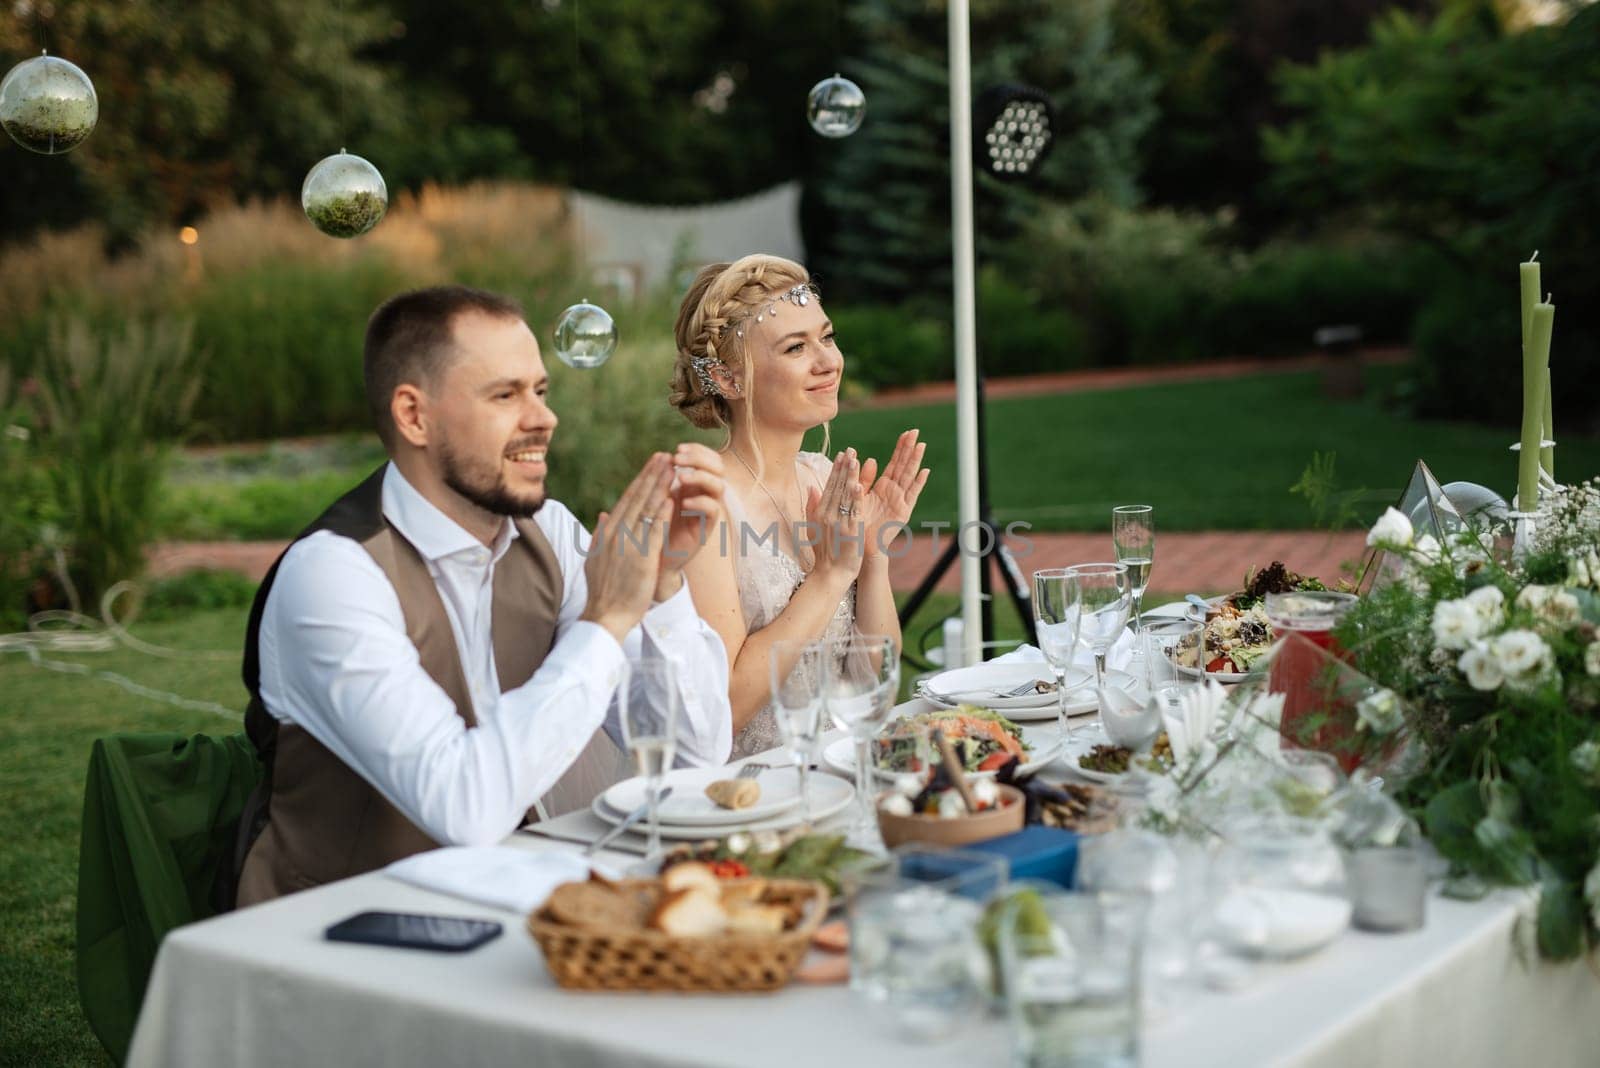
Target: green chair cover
pixel 159 816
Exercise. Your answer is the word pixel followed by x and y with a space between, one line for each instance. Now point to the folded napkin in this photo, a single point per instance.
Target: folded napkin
pixel 1189 725
pixel 517 880
pixel 1117 656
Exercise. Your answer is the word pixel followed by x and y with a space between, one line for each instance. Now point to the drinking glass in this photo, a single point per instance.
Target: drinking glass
pixel 1173 660
pixel 799 673
pixel 863 677
pixel 1072 963
pixel 1133 534
pixel 1055 611
pixel 1299 669
pixel 651 706
pixel 913 920
pixel 1104 598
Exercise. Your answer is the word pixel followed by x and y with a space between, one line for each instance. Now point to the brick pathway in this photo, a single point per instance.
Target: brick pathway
pixel 1208 562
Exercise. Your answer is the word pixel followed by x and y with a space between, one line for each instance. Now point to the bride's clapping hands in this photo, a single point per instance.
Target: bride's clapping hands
pixel 835 513
pixel 890 497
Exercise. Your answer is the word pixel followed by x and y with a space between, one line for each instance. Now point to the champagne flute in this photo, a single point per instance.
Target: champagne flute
pixel 1133 533
pixel 799 674
pixel 1104 598
pixel 1055 610
pixel 863 678
pixel 651 706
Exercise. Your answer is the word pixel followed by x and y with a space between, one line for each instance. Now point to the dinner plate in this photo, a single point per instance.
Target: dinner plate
pixel 689 804
pixel 1077 745
pixel 979 685
pixel 840 755
pixel 829 796
pixel 1081 701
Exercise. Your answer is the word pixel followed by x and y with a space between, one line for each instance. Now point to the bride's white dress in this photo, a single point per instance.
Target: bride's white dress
pixel 767 577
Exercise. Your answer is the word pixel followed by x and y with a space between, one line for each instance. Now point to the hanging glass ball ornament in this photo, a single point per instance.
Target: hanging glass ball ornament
pixel 48 105
pixel 344 195
pixel 836 107
pixel 585 336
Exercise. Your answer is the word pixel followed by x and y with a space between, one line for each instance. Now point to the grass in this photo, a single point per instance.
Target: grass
pixel 47 722
pixel 1218 455
pixel 1058 461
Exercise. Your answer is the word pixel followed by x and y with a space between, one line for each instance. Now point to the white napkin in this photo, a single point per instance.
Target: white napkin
pixel 1189 726
pixel 1117 656
pixel 517 880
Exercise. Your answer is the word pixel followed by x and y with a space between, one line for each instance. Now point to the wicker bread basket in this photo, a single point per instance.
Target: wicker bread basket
pixel 596 958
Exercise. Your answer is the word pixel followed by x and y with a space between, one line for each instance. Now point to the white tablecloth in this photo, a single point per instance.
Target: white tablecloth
pixel 261 987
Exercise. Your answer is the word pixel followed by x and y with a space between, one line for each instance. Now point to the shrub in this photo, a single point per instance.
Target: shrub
pixel 1018 337
pixel 892 346
pixel 27 511
pixel 103 401
pixel 196 591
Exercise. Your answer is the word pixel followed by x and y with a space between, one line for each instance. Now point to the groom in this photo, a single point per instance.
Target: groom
pixel 439 652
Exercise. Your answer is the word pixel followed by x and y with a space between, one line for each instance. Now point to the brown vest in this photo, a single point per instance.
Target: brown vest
pixel 317 820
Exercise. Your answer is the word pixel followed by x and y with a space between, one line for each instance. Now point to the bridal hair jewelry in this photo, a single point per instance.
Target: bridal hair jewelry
pixel 799 296
pixel 702 370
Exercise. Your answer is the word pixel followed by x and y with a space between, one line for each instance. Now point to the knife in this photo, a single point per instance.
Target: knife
pixel 627 821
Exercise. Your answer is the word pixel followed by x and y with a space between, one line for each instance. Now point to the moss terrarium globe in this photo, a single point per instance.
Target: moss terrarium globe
pixel 586 336
pixel 836 106
pixel 344 195
pixel 48 105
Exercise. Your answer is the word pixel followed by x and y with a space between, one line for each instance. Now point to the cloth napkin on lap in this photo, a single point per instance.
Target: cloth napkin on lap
pixel 517 880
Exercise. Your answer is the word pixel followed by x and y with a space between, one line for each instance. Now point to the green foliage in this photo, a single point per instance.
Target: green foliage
pixel 257 509
pixel 1485 147
pixel 183 595
pixel 202 103
pixel 105 401
pixel 28 509
pixel 1331 507
pixel 887 186
pixel 892 346
pixel 285 339
pixel 1019 335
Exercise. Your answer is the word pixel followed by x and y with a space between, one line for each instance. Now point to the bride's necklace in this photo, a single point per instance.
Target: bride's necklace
pixel 781 512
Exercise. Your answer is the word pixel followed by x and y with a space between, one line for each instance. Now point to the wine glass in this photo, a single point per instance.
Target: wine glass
pixel 651 706
pixel 863 678
pixel 799 675
pixel 1133 534
pixel 1055 610
pixel 1104 598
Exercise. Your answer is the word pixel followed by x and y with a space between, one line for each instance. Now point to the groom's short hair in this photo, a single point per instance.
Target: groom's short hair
pixel 411 339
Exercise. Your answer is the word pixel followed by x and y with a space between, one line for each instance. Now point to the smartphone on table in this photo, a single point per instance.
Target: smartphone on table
pixel 410 930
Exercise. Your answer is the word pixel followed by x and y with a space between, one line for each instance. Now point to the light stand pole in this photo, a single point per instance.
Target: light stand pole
pixel 966 337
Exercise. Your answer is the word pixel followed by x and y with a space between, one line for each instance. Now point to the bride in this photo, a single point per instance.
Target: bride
pixel 801 543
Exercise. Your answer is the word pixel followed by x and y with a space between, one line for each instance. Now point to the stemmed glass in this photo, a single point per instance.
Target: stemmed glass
pixel 651 706
pixel 1055 610
pixel 1133 534
pixel 799 674
pixel 862 681
pixel 1104 598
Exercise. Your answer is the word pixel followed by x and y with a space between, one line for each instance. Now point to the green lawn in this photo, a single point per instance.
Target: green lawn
pixel 1217 455
pixel 47 722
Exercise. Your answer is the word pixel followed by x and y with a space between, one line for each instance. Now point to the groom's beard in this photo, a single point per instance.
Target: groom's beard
pixel 485 486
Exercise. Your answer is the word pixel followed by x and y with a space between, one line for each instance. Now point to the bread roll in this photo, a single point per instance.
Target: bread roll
pixel 757 919
pixel 689 875
pixel 691 913
pixel 734 793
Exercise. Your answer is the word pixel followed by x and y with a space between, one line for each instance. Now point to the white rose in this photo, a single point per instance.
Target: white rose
pixel 1490 604
pixel 1591 658
pixel 1481 669
pixel 1522 655
pixel 1380 712
pixel 1563 608
pixel 1456 624
pixel 1578 572
pixel 1391 531
pixel 1586 757
pixel 1427 549
pixel 1591 893
pixel 1532 598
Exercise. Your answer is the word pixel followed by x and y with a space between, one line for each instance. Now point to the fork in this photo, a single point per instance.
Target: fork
pixel 752 770
pixel 1016 691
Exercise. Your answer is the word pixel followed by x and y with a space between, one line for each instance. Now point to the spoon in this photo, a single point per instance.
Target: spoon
pixel 1198 601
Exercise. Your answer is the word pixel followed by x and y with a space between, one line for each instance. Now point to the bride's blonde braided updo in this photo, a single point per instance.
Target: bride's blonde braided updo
pixel 721 294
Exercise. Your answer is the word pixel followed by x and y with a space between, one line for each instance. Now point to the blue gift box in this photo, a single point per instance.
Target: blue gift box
pixel 1036 852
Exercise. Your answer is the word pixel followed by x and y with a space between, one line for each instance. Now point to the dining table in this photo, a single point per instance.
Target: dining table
pixel 262 987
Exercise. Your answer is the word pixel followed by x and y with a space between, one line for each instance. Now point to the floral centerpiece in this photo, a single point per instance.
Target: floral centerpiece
pixel 1495 667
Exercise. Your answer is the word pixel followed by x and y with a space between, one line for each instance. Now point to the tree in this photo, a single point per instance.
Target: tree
pixel 889 186
pixel 1482 146
pixel 199 104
